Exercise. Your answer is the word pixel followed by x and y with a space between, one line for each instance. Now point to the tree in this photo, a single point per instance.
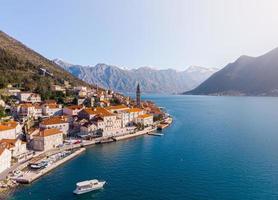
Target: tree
pixel 2 112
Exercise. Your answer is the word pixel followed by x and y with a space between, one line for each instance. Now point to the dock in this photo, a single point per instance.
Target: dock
pixel 156 134
pixel 132 135
pixel 31 175
pixel 167 122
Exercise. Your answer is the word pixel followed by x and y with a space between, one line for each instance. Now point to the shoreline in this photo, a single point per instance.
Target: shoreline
pixel 34 176
pixel 80 149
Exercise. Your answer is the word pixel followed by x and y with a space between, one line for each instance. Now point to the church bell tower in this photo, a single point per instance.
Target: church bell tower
pixel 138 96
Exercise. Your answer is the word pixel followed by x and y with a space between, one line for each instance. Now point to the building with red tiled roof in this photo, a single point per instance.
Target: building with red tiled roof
pixel 27 110
pixel 117 108
pixel 104 119
pixel 58 122
pixel 51 108
pixel 90 113
pixel 47 139
pixel 145 119
pixel 16 146
pixel 72 110
pixel 134 110
pixel 10 130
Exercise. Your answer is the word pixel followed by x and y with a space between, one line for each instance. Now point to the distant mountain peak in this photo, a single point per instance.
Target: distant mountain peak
pixel 199 69
pixel 255 76
pixel 60 61
pixel 151 80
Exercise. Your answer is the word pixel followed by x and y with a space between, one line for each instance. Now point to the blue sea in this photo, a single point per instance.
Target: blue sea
pixel 218 148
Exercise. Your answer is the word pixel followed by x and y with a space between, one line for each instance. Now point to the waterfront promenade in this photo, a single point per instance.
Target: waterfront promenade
pixel 30 176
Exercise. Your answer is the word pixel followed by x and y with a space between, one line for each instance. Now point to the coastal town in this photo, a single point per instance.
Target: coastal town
pixel 37 135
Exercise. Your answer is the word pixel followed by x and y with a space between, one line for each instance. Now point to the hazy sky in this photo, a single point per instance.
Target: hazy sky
pixel 133 33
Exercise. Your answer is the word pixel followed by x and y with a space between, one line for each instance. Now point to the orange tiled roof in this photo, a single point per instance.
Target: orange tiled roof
pixel 90 111
pixel 102 112
pixel 75 107
pixel 8 125
pixel 48 132
pixel 50 102
pixel 8 143
pixel 4 128
pixel 105 101
pixel 54 120
pixel 52 106
pixel 144 116
pixel 117 107
pixel 37 106
pixel 26 105
pixel 132 110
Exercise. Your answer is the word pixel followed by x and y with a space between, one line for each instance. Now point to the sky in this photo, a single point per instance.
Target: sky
pixel 134 33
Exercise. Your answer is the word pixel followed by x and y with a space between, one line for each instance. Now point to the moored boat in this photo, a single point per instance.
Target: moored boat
pixel 39 165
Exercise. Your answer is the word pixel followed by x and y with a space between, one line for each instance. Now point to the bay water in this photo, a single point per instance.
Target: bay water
pixel 217 148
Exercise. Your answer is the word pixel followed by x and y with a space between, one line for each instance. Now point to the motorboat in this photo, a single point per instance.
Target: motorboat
pixel 88 186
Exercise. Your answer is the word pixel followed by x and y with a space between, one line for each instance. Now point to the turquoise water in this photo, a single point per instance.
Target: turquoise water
pixel 218 148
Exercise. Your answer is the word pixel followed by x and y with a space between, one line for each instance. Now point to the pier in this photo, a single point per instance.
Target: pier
pixel 32 175
pixel 139 133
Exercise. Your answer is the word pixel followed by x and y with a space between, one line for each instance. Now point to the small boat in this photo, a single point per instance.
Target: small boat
pixel 88 186
pixel 40 165
pixel 156 134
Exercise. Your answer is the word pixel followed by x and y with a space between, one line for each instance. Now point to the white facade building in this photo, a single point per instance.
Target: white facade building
pixel 57 122
pixel 47 139
pixel 16 146
pixel 133 113
pixel 10 130
pixel 51 109
pixel 72 110
pixel 5 158
pixel 29 97
pixel 145 119
pixel 27 110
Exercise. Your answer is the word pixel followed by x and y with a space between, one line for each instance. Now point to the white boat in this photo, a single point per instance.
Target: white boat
pixel 156 134
pixel 88 186
pixel 39 165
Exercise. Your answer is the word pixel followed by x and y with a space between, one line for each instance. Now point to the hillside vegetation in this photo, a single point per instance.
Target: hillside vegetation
pixel 21 66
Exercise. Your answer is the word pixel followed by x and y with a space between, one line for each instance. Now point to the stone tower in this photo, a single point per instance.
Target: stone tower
pixel 138 96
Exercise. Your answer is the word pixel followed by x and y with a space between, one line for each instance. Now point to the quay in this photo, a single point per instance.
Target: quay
pixel 139 133
pixel 31 176
pixel 165 124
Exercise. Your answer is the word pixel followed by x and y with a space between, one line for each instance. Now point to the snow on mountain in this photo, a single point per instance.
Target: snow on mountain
pixel 152 80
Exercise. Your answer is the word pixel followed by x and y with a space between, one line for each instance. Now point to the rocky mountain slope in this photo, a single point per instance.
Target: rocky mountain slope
pixel 253 76
pixel 151 80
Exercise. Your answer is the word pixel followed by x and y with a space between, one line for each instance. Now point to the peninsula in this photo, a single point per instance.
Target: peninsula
pixel 47 116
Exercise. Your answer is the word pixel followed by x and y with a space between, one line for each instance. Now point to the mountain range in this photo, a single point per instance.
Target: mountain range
pixel 151 80
pixel 248 76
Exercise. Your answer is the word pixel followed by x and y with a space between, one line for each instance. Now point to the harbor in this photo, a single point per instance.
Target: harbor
pixel 25 174
pixel 31 175
pixel 41 135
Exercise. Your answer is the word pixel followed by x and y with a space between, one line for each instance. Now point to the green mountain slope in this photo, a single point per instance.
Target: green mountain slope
pixel 21 66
